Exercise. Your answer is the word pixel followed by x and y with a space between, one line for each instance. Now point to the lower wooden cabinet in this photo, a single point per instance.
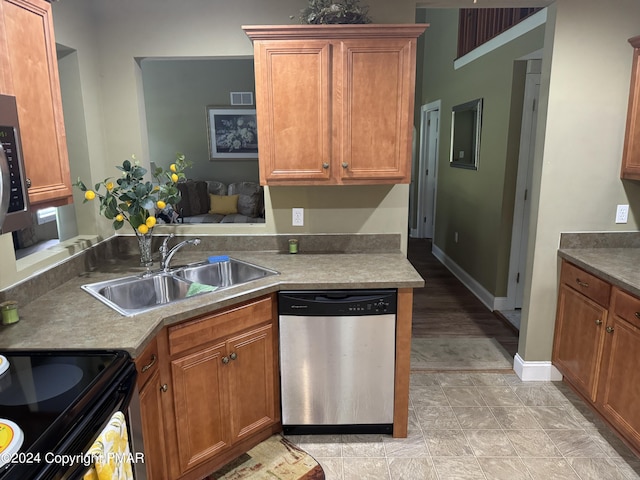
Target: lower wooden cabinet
pixel 597 347
pixel 619 388
pixel 222 396
pixel 150 391
pixel 578 339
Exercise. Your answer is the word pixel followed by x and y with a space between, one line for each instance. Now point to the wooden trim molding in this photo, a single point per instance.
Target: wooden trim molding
pixel 324 32
pixel 403 363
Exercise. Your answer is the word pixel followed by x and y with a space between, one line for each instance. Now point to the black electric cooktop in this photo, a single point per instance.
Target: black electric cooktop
pixel 45 392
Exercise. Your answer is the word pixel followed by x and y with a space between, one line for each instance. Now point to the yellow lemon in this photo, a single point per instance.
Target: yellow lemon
pixel 109 186
pixel 89 194
pixel 174 177
pixel 151 221
pixel 173 167
pixel 143 229
pixel 119 217
pixel 160 204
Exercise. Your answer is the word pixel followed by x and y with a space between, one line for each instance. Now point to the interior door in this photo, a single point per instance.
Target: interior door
pixel 522 207
pixel 429 134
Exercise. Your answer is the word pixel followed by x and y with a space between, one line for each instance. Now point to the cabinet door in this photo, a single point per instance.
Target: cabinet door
pixel 579 334
pixel 376 109
pixel 620 376
pixel 293 110
pixel 251 381
pixel 27 28
pixel 631 152
pixel 201 405
pixel 153 432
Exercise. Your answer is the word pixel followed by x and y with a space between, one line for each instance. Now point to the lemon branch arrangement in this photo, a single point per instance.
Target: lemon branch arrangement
pixel 133 200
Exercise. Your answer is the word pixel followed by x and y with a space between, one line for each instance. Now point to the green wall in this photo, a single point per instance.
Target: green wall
pixel 477 204
pixel 176 94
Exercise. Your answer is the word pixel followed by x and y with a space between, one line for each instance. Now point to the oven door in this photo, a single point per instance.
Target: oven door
pixel 66 458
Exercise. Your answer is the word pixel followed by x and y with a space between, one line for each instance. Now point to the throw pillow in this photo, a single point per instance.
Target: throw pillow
pixel 223 204
pixel 248 204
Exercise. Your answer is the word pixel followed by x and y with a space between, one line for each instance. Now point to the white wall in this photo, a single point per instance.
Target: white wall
pixel 578 157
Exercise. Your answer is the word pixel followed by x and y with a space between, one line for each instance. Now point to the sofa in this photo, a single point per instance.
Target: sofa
pixel 211 201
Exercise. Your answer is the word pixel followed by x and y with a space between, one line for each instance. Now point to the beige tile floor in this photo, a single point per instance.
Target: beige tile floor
pixel 482 426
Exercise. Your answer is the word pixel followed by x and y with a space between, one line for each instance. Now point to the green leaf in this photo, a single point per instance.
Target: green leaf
pixel 147 204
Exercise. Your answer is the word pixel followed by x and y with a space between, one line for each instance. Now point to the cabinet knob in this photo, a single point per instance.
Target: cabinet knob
pixel 225 360
pixel 150 364
pixel 28 182
pixel 582 284
pixel 598 322
pixel 233 356
pixel 637 314
pixel 325 165
pixel 164 387
pixel 609 329
pixel 345 164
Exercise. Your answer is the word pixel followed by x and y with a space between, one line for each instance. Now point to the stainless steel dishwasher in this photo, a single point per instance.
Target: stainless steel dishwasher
pixel 337 360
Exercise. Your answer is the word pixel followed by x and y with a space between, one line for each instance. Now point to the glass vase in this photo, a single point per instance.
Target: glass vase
pixel 144 242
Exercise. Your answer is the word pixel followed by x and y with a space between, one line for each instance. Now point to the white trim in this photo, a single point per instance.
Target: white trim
pixel 471 283
pixel 535 371
pixel 525 26
pixel 46 215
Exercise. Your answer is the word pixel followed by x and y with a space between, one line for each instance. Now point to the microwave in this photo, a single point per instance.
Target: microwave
pixel 14 199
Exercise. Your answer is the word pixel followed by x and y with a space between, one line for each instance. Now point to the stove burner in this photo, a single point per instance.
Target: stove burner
pixel 40 383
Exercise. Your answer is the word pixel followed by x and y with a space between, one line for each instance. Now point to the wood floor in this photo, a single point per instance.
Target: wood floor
pixel 445 307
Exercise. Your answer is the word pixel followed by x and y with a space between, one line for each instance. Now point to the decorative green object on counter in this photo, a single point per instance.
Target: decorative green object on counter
pixel 293 246
pixel 9 312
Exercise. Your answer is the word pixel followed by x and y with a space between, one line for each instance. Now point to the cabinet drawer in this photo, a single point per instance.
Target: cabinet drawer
pixel 147 362
pixel 586 283
pixel 219 325
pixel 626 306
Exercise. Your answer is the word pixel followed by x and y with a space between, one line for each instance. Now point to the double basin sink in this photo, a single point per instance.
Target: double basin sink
pixel 137 294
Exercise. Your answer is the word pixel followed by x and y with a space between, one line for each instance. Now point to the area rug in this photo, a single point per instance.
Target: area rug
pixel 458 353
pixel 274 459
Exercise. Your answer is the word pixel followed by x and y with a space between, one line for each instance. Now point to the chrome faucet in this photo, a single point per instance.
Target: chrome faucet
pixel 166 255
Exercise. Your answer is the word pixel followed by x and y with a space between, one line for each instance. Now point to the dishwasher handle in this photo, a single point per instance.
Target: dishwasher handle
pixel 337 302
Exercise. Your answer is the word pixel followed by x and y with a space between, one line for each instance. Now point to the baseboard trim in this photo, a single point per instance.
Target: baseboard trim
pixel 535 371
pixel 491 302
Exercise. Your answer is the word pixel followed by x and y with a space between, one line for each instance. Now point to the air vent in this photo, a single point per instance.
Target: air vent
pixel 241 98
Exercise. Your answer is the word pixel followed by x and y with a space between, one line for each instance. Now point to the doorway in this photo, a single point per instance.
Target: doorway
pixel 522 206
pixel 427 169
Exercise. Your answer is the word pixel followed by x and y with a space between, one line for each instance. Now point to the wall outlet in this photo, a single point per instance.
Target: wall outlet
pixel 297 217
pixel 622 213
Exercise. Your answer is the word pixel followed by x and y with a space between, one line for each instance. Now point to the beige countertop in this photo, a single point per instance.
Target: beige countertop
pixel 619 266
pixel 66 317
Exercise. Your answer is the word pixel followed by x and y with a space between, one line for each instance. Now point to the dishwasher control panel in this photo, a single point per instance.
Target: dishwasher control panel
pixel 337 302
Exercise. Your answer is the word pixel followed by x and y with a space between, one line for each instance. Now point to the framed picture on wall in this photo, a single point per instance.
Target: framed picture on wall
pixel 233 132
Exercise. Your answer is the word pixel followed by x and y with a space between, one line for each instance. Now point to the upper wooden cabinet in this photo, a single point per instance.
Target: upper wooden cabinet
pixel 631 153
pixel 30 73
pixel 335 103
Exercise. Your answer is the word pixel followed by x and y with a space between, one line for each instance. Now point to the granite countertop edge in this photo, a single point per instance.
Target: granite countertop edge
pixel 69 318
pixel 619 266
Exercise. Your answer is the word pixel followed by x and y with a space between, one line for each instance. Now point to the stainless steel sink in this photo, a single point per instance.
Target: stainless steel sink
pixel 223 274
pixel 132 295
